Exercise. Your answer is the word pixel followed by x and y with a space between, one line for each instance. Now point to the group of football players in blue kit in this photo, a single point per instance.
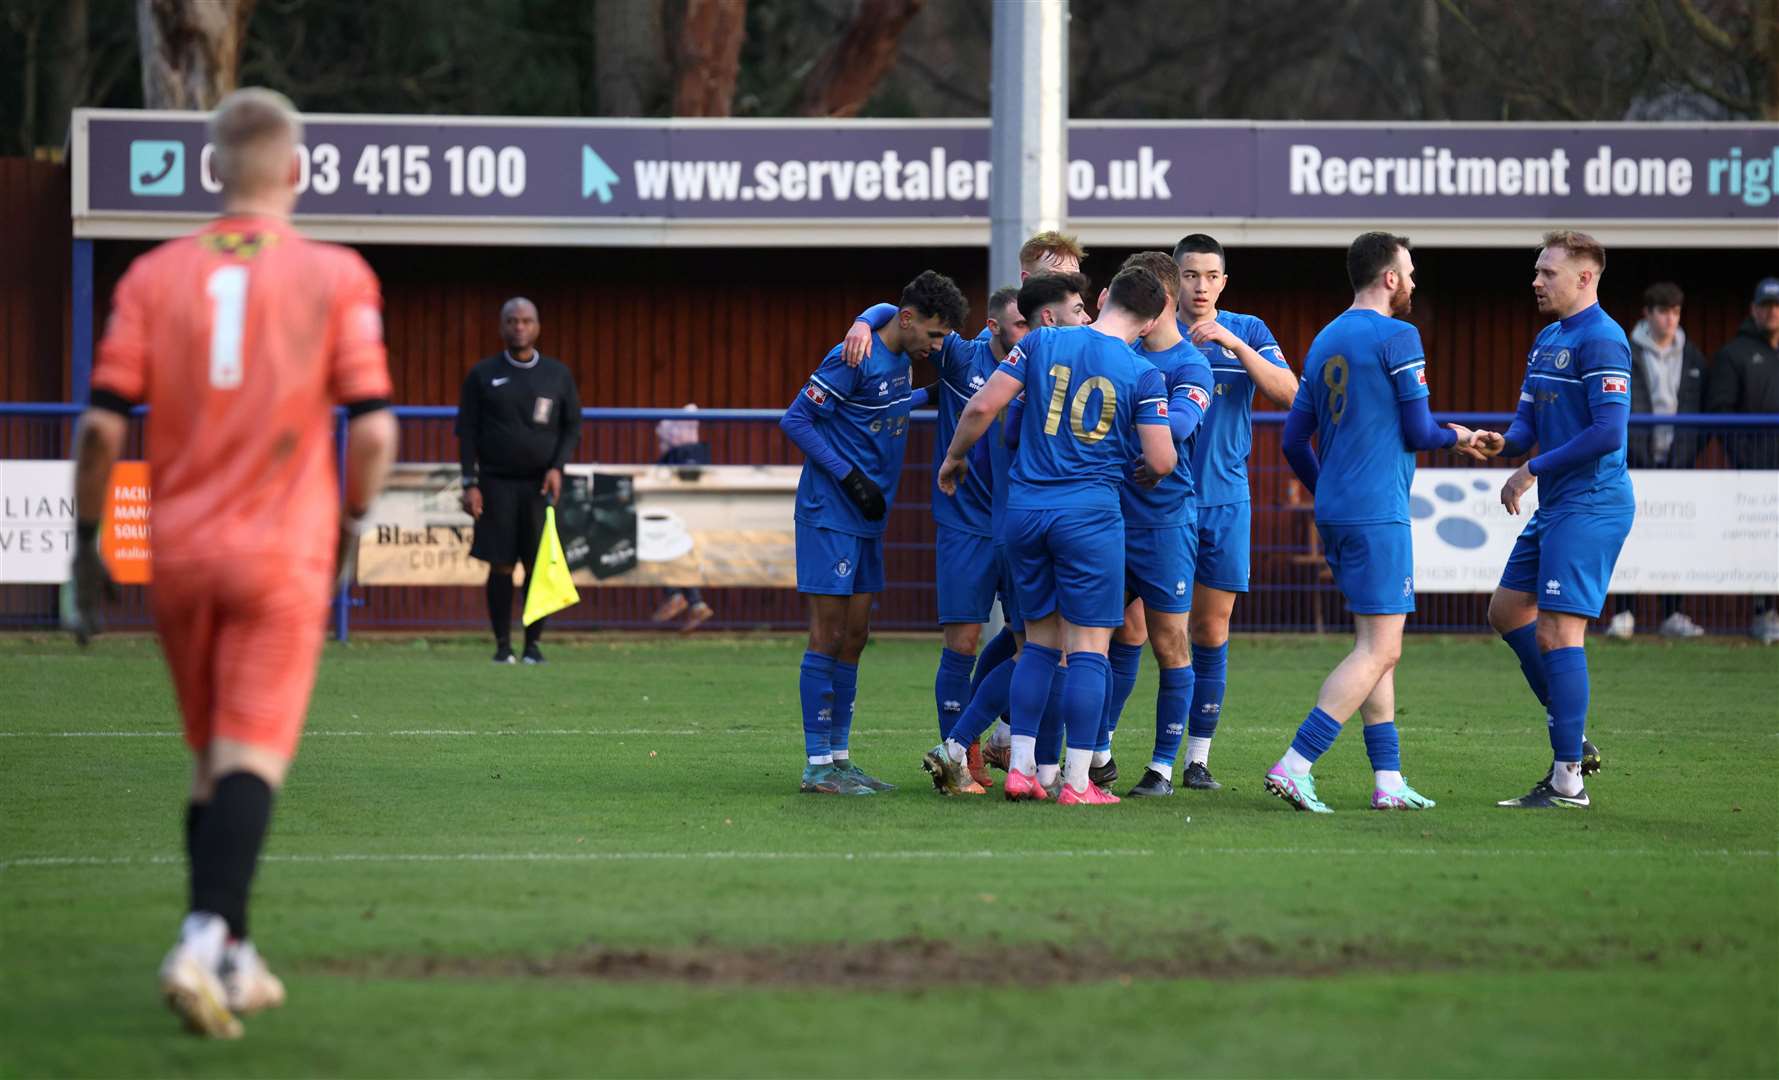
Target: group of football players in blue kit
pixel 1093 478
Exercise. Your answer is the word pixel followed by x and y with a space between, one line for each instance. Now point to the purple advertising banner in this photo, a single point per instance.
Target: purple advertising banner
pixel 585 172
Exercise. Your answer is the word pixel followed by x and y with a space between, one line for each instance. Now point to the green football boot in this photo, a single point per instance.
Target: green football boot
pixel 1299 791
pixel 860 776
pixel 1400 798
pixel 828 780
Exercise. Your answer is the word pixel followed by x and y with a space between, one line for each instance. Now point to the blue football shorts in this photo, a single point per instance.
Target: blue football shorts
pixel 1222 561
pixel 1068 562
pixel 1374 566
pixel 1565 559
pixel 831 563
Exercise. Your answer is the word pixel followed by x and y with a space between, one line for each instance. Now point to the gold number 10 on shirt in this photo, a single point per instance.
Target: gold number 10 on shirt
pixel 1108 410
pixel 1334 374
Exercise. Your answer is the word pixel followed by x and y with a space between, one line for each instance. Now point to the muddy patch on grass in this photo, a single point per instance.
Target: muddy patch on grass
pixel 909 963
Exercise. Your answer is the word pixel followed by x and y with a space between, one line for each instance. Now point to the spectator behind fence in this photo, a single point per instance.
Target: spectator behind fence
pixel 676 443
pixel 1745 379
pixel 1667 377
pixel 518 421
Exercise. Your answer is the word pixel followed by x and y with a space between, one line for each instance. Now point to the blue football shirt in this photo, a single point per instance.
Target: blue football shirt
pixel 1577 365
pixel 1186 375
pixel 964 368
pixel 1358 369
pixel 1226 437
pixel 1085 394
pixel 864 413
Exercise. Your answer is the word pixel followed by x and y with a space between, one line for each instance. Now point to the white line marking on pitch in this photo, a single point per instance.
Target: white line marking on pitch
pixel 52 861
pixel 618 733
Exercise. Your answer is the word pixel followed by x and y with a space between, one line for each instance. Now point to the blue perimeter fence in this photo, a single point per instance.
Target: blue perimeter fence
pixel 1290 588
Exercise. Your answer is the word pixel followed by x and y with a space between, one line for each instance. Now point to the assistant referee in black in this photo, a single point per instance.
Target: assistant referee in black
pixel 516 427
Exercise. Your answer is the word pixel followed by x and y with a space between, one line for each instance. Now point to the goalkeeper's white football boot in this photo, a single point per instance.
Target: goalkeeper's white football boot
pixel 249 985
pixel 190 980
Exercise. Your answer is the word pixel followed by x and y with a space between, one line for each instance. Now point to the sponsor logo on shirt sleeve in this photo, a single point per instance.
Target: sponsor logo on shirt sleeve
pixel 1198 397
pixel 1611 384
pixel 1015 357
pixel 815 394
pixel 1161 409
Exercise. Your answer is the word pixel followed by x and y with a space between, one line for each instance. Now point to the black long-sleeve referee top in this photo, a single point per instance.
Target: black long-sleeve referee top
pixel 517 420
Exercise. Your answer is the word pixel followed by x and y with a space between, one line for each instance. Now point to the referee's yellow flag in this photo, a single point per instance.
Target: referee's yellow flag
pixel 549 588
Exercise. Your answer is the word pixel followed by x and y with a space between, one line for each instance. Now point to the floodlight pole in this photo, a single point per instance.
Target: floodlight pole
pixel 1029 140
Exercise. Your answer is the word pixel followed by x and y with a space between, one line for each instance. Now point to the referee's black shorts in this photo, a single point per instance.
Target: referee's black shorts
pixel 512 521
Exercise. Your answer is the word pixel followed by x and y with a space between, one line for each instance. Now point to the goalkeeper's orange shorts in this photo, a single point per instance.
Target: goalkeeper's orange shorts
pixel 242 639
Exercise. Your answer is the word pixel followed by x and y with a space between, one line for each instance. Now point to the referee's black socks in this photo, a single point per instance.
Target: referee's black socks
pixel 500 607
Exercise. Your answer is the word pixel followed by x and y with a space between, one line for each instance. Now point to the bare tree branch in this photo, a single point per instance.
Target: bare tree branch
pixel 1714 35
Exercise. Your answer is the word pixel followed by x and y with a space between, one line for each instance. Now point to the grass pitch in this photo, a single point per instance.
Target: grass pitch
pixel 602 866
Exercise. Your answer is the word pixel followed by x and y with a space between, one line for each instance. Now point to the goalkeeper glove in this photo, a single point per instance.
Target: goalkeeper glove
pixel 865 494
pixel 92 585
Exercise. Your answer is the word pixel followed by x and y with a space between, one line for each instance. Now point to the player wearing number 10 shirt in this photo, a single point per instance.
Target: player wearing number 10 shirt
pixel 1091 402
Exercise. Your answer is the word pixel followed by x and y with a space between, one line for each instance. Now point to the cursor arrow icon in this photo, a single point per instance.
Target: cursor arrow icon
pixel 597 177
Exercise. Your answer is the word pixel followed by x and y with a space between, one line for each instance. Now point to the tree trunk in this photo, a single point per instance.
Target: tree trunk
pixel 74 76
pixel 1432 82
pixel 191 50
pixel 709 57
pixel 845 76
pixel 629 57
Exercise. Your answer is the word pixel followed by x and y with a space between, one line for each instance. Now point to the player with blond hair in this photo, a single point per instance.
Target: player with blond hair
pixel 242 339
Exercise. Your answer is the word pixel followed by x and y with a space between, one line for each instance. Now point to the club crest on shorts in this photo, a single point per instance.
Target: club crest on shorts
pixel 843 568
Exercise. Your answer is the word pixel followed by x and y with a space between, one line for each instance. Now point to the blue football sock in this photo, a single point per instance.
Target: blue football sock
pixel 1050 734
pixel 1125 660
pixel 1524 643
pixel 815 686
pixel 1568 673
pixel 1102 742
pixel 1084 699
pixel 1210 666
pixel 1315 735
pixel 1029 693
pixel 1382 748
pixel 951 687
pixel 846 691
pixel 1171 706
pixel 998 651
pixel 988 702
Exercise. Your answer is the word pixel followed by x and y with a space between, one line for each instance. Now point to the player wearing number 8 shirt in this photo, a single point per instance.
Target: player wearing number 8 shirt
pixel 242 339
pixel 1364 390
pixel 1091 403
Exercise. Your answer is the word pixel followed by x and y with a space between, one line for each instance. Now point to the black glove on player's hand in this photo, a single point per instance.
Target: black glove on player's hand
pixel 865 494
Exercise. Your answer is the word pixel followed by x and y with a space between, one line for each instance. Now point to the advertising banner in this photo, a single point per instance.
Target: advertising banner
pixel 37 522
pixel 608 174
pixel 620 525
pixel 1697 531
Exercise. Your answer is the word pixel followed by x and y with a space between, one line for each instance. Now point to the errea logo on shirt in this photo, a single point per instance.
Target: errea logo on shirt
pixel 977 382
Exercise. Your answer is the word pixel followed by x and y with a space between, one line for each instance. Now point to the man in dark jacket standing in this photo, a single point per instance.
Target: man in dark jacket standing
pixel 516 426
pixel 1745 379
pixel 1667 377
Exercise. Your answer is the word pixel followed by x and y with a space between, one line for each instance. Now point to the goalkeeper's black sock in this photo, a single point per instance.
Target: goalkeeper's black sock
pixel 225 850
pixel 194 816
pixel 534 632
pixel 500 607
